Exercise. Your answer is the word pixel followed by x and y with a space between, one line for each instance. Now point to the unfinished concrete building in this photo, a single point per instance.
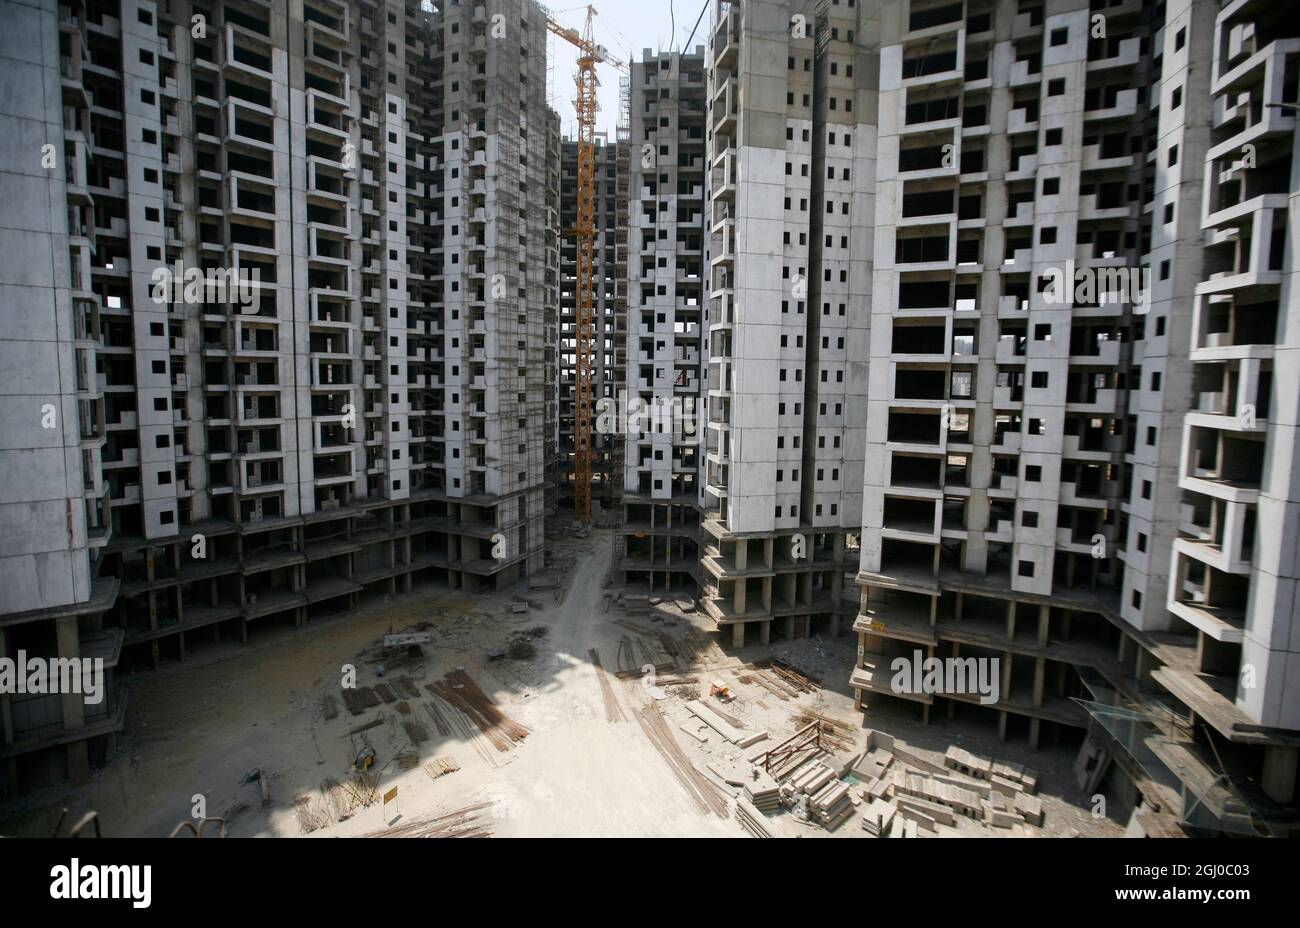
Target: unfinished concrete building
pixel 664 388
pixel 1031 463
pixel 609 318
pixel 54 498
pixel 792 149
pixel 372 416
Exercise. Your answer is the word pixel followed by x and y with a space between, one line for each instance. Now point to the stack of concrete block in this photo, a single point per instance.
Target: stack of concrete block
pixel 902 828
pixel 963 761
pixel 831 805
pixel 1015 777
pixel 829 800
pixel 877 819
pixel 917 807
pixel 806 781
pixel 750 818
pixel 763 792
pixel 1030 808
pixel 957 798
pixel 997 812
pixel 878 788
pixel 1007 778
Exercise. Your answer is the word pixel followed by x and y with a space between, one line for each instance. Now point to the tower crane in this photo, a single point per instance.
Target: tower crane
pixel 589 55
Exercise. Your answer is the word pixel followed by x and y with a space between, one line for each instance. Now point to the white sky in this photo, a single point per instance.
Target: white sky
pixel 624 27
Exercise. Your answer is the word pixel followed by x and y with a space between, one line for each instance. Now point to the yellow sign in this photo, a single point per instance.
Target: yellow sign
pixel 390 795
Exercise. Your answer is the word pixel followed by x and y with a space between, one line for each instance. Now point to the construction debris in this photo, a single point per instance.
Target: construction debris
pixel 461 823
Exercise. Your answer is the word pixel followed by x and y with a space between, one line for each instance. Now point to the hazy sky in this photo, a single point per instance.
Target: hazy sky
pixel 624 27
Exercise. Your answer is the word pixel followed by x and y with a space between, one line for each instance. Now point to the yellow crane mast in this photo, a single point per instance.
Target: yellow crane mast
pixel 590 54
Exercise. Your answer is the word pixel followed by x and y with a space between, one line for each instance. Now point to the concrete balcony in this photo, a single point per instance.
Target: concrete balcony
pixel 1093 160
pixel 1126 56
pixel 724 43
pixel 1108 355
pixel 1124 107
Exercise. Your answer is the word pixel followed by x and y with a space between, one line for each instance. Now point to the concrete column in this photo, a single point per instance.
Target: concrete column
pixel 1279 774
pixel 68 642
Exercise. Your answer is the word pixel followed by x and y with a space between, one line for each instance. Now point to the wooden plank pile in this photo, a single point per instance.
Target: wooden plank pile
pixel 794 677
pixel 839 735
pixel 696 784
pixel 613 710
pixel 460 823
pixel 440 767
pixel 459 690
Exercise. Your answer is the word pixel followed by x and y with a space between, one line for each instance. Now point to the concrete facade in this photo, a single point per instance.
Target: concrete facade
pixel 792 116
pixel 377 416
pixel 667 313
pixel 1074 487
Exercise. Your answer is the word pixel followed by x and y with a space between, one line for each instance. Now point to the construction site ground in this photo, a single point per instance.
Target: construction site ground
pixel 594 760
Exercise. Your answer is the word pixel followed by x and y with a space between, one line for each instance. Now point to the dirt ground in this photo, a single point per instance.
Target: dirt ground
pixel 194 730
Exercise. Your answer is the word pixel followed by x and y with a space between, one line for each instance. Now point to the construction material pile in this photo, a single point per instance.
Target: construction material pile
pixel 458 689
pixel 460 823
pixel 905 792
pixel 815 793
